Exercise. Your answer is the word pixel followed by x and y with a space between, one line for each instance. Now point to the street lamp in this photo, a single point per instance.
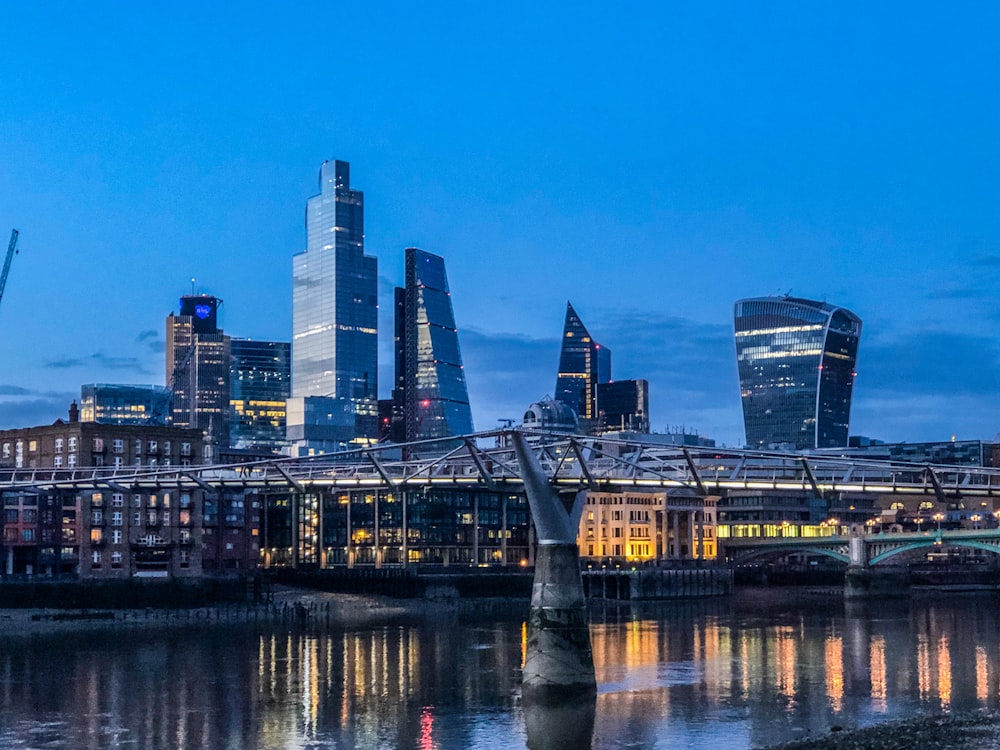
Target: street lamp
pixel 939 517
pixel 834 524
pixel 870 523
pixel 784 528
pixel 976 518
pixel 919 520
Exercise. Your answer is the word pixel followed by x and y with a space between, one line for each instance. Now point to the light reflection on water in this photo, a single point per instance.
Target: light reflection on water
pixel 701 674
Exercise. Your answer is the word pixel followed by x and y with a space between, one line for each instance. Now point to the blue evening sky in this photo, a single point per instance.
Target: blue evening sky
pixel 651 162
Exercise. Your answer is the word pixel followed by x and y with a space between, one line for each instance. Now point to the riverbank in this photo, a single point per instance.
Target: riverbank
pixel 980 730
pixel 286 606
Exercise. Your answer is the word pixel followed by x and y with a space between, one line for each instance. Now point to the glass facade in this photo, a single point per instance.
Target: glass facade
pixel 380 527
pixel 435 397
pixel 124 404
pixel 583 363
pixel 796 361
pixel 623 405
pixel 335 303
pixel 259 386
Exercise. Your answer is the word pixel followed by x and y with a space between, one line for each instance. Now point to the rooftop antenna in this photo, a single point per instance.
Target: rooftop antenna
pixel 192 286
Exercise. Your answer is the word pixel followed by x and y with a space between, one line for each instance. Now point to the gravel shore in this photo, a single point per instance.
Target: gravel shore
pixel 974 731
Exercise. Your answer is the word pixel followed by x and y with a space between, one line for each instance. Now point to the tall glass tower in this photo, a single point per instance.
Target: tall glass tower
pixel 796 361
pixel 432 382
pixel 583 363
pixel 335 314
pixel 259 379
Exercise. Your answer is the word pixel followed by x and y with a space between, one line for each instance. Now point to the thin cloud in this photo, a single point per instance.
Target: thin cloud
pixel 101 360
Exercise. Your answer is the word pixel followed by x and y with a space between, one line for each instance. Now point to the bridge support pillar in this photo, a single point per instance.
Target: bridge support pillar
pixel 559 663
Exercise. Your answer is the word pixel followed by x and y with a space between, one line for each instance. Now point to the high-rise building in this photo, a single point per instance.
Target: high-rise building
pixel 623 405
pixel 197 370
pixel 259 386
pixel 583 363
pixel 334 319
pixel 796 361
pixel 112 403
pixel 430 379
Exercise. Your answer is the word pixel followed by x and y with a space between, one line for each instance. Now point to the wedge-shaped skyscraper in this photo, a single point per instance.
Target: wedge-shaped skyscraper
pixel 796 361
pixel 431 387
pixel 583 363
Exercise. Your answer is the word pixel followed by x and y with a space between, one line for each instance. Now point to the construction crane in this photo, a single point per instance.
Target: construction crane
pixel 11 250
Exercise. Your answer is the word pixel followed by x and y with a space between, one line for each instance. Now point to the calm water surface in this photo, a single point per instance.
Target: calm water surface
pixel 711 674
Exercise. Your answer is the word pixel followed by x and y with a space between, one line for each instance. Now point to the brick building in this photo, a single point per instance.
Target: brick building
pixel 112 532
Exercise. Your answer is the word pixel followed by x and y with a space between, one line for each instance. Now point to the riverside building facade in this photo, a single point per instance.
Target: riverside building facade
pixel 796 361
pixel 105 533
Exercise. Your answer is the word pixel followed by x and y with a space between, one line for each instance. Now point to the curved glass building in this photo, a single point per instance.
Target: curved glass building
pixel 434 394
pixel 796 360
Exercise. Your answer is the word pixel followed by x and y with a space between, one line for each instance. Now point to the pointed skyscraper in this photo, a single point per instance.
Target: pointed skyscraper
pixel 583 363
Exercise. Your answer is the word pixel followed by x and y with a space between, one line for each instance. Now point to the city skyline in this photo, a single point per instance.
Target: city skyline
pixel 705 155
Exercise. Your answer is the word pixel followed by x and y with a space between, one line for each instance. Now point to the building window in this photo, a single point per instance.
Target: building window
pixel 137 501
pixel 185 558
pixel 27 535
pixel 116 518
pixel 32 446
pixel 151 518
pixel 6 450
pixel 137 518
pixel 138 446
pixel 166 446
pixel 185 536
pixel 151 446
pixel 116 537
pixel 71 444
pixel 59 445
pixel 185 449
pixel 57 462
pixel 98 445
pixel 95 558
pixel 118 446
pixel 116 559
pixel 152 463
pixel 71 460
pixel 98 516
pixel 166 461
pixel 117 499
pixel 96 536
pixel 185 500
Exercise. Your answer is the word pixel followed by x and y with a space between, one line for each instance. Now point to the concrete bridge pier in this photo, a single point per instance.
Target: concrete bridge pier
pixel 862 581
pixel 559 663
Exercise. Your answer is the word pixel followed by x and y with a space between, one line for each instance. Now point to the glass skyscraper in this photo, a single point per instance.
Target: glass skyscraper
pixel 432 387
pixel 335 315
pixel 259 386
pixel 583 363
pixel 796 361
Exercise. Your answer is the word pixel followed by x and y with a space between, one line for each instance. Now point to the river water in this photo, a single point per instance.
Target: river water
pixel 725 673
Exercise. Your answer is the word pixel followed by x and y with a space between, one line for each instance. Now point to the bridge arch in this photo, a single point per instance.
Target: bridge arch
pixel 776 550
pixel 933 542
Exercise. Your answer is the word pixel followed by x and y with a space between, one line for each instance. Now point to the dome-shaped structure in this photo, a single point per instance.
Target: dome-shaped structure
pixel 550 415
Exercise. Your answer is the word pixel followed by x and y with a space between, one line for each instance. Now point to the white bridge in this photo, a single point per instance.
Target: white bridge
pixel 571 463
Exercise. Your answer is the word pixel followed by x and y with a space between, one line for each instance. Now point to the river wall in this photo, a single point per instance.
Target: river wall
pixel 651 584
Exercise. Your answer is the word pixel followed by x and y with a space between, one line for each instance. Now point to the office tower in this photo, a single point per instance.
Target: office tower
pixel 107 403
pixel 197 369
pixel 583 363
pixel 259 385
pixel 622 405
pixel 430 380
pixel 796 361
pixel 334 321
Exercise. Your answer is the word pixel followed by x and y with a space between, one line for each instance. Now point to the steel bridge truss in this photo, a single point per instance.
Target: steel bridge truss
pixel 571 463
